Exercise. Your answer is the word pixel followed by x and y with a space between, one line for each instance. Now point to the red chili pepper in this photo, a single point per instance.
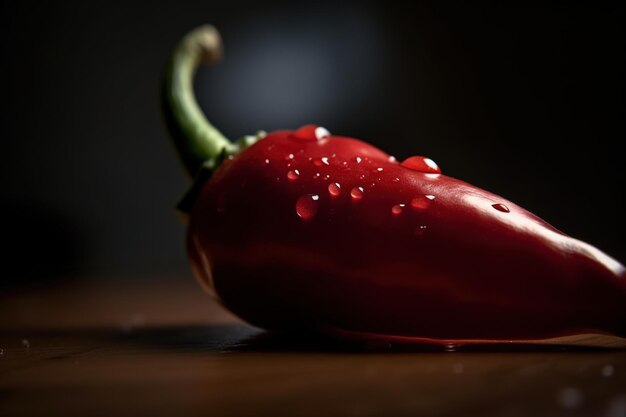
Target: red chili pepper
pixel 305 230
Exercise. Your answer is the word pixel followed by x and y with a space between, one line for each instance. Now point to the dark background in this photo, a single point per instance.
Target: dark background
pixel 524 100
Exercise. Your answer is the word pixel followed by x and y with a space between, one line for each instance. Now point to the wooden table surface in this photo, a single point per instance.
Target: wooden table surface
pixel 152 347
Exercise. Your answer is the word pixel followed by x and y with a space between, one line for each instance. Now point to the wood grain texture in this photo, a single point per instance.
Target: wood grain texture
pixel 159 347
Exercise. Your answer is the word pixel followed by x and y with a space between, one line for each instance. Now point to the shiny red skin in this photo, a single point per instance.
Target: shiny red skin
pixel 474 272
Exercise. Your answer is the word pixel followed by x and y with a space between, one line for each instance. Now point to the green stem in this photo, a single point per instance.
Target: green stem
pixel 199 143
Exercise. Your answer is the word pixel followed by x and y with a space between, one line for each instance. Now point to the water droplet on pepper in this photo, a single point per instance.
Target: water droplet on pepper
pixel 501 207
pixel 293 175
pixel 334 189
pixel 397 209
pixel 321 133
pixel 422 202
pixel 311 133
pixel 306 133
pixel 306 206
pixel 356 193
pixel 421 164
